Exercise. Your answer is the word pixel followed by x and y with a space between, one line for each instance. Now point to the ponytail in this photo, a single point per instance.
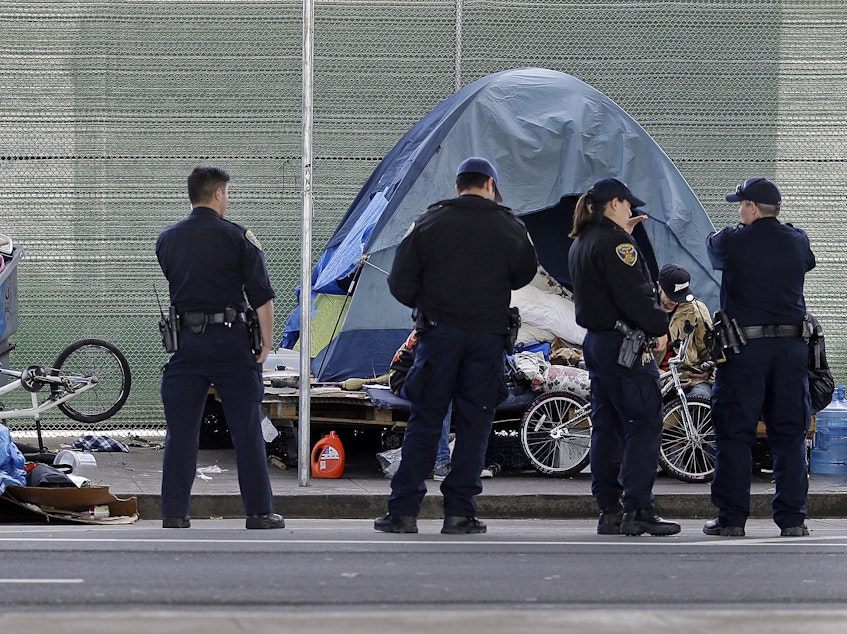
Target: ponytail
pixel 585 209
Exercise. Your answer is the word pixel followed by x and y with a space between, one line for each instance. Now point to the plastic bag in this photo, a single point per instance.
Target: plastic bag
pixel 389 461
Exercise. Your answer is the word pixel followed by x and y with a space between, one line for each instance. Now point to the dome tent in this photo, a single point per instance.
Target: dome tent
pixel 550 136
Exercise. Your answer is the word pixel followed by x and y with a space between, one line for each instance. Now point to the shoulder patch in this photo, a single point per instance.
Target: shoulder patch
pixel 627 253
pixel 252 239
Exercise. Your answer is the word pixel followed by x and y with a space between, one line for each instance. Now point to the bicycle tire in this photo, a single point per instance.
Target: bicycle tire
pixel 94 358
pixel 554 436
pixel 681 456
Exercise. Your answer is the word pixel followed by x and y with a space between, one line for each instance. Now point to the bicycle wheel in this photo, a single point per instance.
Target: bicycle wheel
pixel 94 359
pixel 689 457
pixel 556 432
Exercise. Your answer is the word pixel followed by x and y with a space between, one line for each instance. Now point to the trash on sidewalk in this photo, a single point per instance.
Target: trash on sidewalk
pixel 88 505
pixel 389 461
pixel 203 472
pixel 98 443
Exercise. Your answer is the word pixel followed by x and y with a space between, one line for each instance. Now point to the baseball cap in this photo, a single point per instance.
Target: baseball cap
pixel 606 189
pixel 757 190
pixel 476 165
pixel 676 282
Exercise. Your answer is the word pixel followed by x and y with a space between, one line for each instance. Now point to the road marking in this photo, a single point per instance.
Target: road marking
pixel 660 542
pixel 16 581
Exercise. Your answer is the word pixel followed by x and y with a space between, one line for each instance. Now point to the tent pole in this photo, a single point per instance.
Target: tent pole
pixel 304 425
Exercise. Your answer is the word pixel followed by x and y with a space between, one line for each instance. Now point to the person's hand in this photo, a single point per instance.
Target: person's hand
pixel 633 221
pixel 699 375
pixel 263 354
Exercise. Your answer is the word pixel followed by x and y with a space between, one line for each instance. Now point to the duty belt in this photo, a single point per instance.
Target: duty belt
pixel 765 332
pixel 211 318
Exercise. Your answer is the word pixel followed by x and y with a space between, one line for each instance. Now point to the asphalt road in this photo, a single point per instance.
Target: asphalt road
pixel 524 575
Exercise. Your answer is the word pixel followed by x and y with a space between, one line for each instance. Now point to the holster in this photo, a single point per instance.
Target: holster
pixel 254 331
pixel 726 336
pixel 514 327
pixel 422 322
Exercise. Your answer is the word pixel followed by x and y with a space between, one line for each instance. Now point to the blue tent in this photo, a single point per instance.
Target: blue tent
pixel 550 136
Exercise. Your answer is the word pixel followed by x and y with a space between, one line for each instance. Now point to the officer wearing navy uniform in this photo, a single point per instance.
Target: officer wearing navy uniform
pixel 210 264
pixel 456 266
pixel 764 264
pixel 611 284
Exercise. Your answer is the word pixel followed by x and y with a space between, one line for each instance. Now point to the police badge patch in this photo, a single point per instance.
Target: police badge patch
pixel 252 239
pixel 627 253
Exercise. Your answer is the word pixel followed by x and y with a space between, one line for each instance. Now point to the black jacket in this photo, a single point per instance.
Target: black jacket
pixel 611 281
pixel 460 261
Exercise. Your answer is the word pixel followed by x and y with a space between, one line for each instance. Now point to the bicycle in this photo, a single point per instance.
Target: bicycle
pixel 92 372
pixel 556 428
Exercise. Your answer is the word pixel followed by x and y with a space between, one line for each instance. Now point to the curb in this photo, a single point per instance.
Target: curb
pixel 540 506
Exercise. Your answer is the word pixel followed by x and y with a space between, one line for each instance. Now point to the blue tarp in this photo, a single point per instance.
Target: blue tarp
pixel 550 136
pixel 12 462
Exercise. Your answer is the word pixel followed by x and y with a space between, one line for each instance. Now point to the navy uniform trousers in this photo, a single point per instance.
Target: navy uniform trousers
pixel 768 378
pixel 467 368
pixel 626 420
pixel 221 356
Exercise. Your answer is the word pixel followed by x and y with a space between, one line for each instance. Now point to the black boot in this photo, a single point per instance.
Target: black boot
pixel 646 521
pixel 610 521
pixel 396 524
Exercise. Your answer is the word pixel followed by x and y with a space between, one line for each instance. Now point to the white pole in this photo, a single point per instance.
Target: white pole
pixel 304 433
pixel 457 75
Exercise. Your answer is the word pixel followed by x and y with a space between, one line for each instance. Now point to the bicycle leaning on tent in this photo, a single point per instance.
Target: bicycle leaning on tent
pixel 555 429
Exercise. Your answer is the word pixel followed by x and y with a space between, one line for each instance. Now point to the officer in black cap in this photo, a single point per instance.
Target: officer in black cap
pixel 612 284
pixel 456 266
pixel 210 264
pixel 764 264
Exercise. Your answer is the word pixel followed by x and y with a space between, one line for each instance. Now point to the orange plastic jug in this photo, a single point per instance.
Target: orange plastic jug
pixel 328 457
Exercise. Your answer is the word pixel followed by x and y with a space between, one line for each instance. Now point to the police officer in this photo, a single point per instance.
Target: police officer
pixel 611 284
pixel 210 264
pixel 457 267
pixel 764 264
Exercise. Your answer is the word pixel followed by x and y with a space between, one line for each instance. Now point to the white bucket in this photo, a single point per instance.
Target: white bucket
pixel 82 463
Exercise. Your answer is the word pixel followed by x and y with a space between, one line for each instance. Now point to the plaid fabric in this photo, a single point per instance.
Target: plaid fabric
pixel 98 443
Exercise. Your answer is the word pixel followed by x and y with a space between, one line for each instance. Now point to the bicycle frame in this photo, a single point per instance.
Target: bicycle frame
pixel 670 380
pixel 69 387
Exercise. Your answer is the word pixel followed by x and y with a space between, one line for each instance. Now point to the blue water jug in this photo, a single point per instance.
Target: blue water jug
pixel 829 449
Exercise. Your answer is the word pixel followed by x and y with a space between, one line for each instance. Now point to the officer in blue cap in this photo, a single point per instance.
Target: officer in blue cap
pixel 614 294
pixel 456 267
pixel 764 264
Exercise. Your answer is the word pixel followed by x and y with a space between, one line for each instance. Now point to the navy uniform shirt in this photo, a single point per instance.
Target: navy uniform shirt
pixel 611 281
pixel 764 266
pixel 210 263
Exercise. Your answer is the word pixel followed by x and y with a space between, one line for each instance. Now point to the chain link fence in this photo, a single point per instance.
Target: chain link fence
pixel 106 106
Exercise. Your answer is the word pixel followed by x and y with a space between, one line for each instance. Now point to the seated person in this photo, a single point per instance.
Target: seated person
pixel 675 298
pixel 400 365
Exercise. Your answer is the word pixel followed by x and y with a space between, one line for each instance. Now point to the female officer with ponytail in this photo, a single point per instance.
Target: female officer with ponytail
pixel 611 284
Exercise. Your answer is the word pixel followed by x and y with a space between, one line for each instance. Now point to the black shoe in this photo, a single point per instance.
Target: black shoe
pixel 176 522
pixel 610 522
pixel 265 520
pixel 794 531
pixel 396 524
pixel 646 521
pixel 713 527
pixel 456 525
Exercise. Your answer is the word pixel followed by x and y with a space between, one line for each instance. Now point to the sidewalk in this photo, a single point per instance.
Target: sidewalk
pixel 363 491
